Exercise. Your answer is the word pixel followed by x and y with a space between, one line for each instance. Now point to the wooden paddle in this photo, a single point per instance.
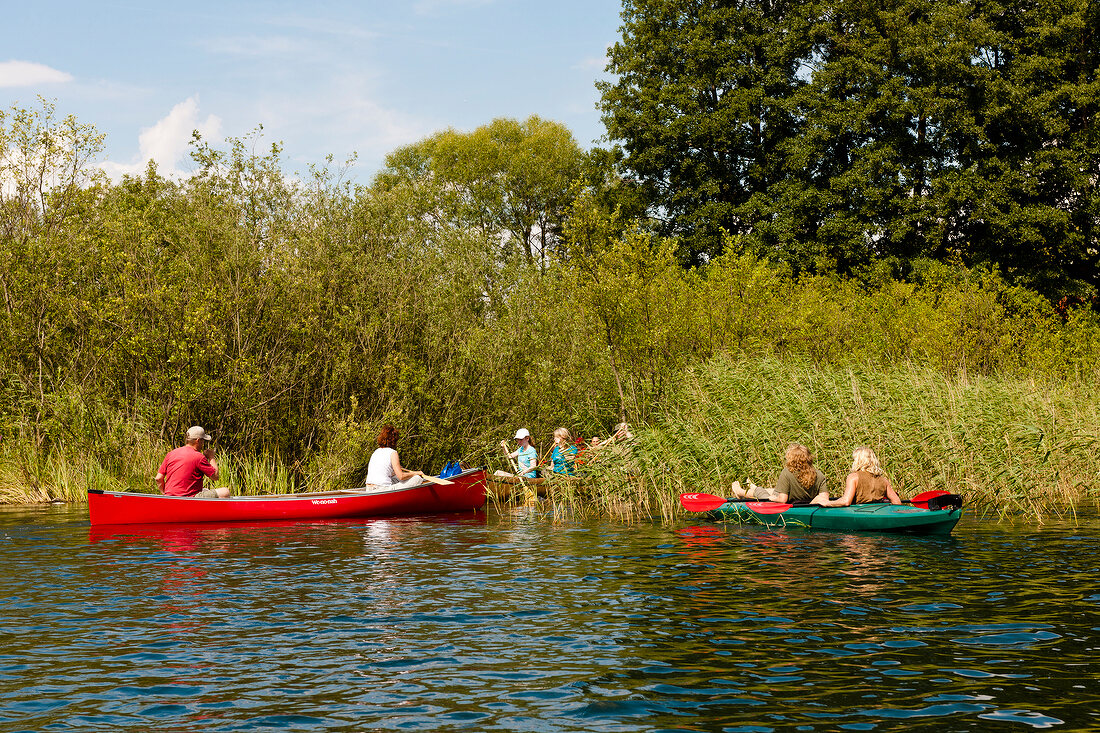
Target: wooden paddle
pixel 511 461
pixel 437 480
pixel 710 502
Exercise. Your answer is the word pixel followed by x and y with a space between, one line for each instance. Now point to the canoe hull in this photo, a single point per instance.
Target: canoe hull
pixel 858 518
pixel 116 507
pixel 504 487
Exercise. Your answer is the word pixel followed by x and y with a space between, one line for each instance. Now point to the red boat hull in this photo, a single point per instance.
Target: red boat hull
pixel 467 492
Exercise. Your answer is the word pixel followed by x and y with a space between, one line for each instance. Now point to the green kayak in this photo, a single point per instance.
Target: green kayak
pixel 857 518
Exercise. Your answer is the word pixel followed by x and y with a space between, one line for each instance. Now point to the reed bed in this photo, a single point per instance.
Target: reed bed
pixel 64 476
pixel 1010 446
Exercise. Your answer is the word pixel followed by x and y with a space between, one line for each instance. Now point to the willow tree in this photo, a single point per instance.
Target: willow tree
pixel 46 278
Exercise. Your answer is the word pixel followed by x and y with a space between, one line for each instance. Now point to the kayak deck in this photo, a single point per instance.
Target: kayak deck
pixel 899 518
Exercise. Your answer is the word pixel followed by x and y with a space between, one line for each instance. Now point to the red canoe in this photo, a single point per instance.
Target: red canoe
pixel 116 507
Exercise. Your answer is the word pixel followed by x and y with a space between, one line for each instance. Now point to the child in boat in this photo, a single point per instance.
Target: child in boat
pixel 799 482
pixel 622 433
pixel 866 482
pixel 525 455
pixel 564 454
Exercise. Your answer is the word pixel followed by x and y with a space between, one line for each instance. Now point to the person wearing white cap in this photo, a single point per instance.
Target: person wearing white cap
pixel 183 470
pixel 525 455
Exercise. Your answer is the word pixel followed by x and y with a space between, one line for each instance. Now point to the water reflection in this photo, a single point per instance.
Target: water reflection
pixel 523 622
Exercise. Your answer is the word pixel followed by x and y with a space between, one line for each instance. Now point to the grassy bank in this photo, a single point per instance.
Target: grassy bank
pixel 1009 445
pixel 30 477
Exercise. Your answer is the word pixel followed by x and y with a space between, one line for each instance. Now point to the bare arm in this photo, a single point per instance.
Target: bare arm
pixel 400 471
pixel 890 493
pixel 848 495
pixel 159 478
pixel 209 453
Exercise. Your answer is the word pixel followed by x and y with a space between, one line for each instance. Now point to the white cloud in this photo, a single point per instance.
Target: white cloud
pixel 166 143
pixel 345 115
pixel 27 73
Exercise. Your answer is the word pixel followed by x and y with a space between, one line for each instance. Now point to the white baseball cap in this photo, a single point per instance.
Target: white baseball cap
pixel 195 433
pixel 522 433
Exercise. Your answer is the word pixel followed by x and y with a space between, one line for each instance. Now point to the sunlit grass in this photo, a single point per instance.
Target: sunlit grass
pixel 62 475
pixel 1010 446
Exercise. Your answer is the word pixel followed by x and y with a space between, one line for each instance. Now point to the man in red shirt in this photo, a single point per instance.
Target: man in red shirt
pixel 182 471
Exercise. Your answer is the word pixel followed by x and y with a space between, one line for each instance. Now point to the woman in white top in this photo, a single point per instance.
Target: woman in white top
pixel 385 467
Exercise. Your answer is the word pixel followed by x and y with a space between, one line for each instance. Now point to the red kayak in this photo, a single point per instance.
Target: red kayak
pixel 465 492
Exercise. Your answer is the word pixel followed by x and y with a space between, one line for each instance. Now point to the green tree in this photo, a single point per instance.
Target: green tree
pixel 952 131
pixel 702 103
pixel 837 135
pixel 631 288
pixel 508 180
pixel 1025 195
pixel 45 181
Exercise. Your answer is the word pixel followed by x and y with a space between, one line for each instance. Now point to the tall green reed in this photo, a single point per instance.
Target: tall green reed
pixel 1009 445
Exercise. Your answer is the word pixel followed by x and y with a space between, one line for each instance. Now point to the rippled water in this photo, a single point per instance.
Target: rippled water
pixel 519 622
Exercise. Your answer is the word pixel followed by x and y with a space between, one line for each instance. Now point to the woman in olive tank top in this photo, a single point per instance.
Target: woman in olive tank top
pixel 798 482
pixel 866 482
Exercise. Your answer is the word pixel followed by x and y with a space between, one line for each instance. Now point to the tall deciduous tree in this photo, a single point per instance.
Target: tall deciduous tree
pixel 509 180
pixel 958 131
pixel 45 179
pixel 703 105
pixel 838 134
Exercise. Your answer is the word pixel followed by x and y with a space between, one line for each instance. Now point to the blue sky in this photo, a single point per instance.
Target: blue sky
pixel 324 77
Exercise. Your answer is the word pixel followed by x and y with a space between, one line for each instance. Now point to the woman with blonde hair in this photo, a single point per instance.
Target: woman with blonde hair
pixel 866 482
pixel 799 481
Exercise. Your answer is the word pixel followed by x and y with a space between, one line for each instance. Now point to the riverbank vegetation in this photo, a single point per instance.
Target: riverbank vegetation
pixel 505 277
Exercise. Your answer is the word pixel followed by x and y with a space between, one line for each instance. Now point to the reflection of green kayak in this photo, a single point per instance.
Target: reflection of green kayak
pixel 858 518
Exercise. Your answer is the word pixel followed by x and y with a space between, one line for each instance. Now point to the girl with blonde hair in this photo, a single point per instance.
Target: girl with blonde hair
pixel 799 481
pixel 866 482
pixel 564 454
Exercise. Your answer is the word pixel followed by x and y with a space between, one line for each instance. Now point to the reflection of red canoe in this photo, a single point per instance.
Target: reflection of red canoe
pixel 465 493
pixel 182 536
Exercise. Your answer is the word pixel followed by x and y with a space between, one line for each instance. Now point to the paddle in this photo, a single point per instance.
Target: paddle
pixel 511 461
pixel 710 502
pixel 920 500
pixel 437 480
pixel 923 499
pixel 702 502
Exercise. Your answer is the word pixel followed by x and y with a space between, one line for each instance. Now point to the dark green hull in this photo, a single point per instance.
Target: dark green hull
pixel 858 518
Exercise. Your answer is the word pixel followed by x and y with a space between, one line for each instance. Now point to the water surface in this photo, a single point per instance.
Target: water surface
pixel 520 622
